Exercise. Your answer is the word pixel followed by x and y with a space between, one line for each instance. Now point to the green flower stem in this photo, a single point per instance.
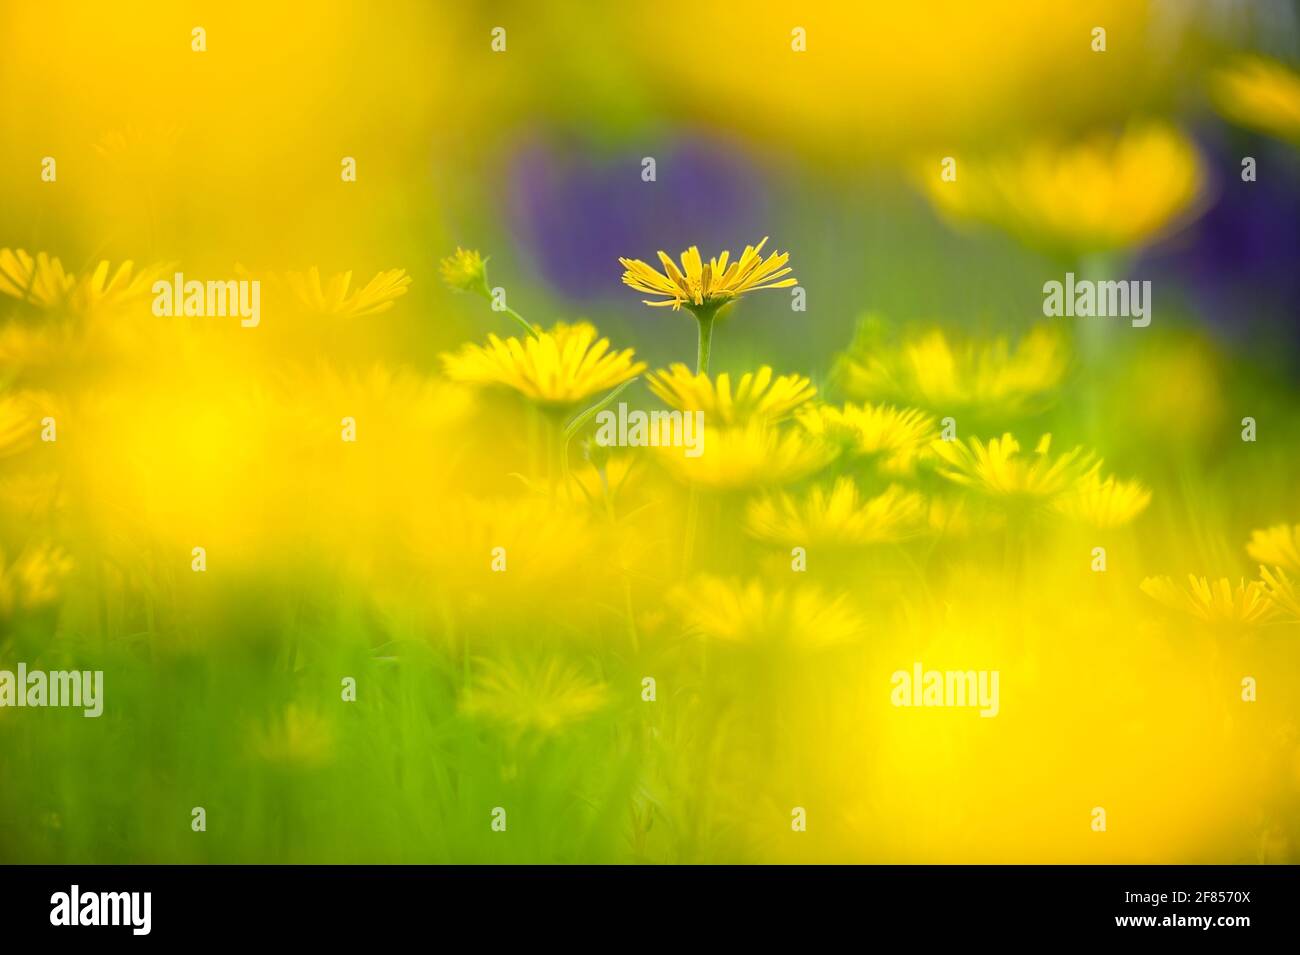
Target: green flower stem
pixel 706 343
pixel 522 321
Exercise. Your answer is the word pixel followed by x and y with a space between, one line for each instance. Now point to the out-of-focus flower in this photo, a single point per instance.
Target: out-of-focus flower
pixel 43 282
pixel 40 281
pixel 337 297
pixel 1104 502
pixel 841 517
pixel 898 435
pixel 707 286
pixel 998 468
pixel 299 738
pixel 555 369
pixel 1259 93
pixel 98 292
pixel 756 395
pixel 465 270
pixel 1217 603
pixel 1281 590
pixel 533 697
pixel 20 420
pixel 33 579
pixel 750 614
pixel 758 454
pixel 1106 193
pixel 934 373
pixel 1278 546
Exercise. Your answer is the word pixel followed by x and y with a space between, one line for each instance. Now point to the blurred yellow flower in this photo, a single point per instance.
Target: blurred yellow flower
pixel 941 376
pixel 299 738
pixel 40 281
pixel 1217 603
pixel 1260 93
pixel 337 297
pixel 758 454
pixel 1281 590
pixel 540 697
pixel 1103 502
pixel 899 435
pixel 841 517
pixel 555 369
pixel 33 579
pixel 1106 193
pixel 1278 545
pixel 749 614
pixel 20 420
pixel 756 395
pixel 465 270
pixel 998 469
pixel 707 286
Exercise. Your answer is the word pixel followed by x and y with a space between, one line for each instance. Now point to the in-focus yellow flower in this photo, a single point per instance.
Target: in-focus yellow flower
pixel 42 281
pixel 756 395
pixel 707 286
pixel 749 614
pixel 533 697
pixel 898 435
pixel 1260 93
pixel 1278 546
pixel 1281 590
pixel 1217 603
pixel 465 270
pixel 998 469
pixel 1103 502
pixel 337 297
pixel 758 454
pixel 555 369
pixel 841 517
pixel 934 373
pixel 1103 194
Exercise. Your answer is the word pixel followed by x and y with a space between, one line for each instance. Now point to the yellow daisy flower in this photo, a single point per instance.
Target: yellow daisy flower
pixel 756 395
pixel 998 469
pixel 757 454
pixel 99 292
pixel 43 282
pixel 1281 590
pixel 337 297
pixel 465 270
pixel 1106 193
pixel 20 420
pixel 40 281
pixel 1104 503
pixel 525 697
pixel 1261 94
pixel 1217 603
pixel 943 376
pixel 899 435
pixel 707 286
pixel 1278 546
pixel 838 518
pixel 555 369
pixel 748 614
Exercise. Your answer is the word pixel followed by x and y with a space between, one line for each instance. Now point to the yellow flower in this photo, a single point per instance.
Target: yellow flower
pixel 555 369
pixel 1106 193
pixel 756 395
pixel 998 469
pixel 20 420
pixel 1217 603
pixel 840 518
pixel 336 296
pixel 33 580
pixel 941 376
pixel 465 271
pixel 1278 545
pixel 533 697
pixel 758 454
pixel 298 738
pixel 1281 590
pixel 1260 93
pixel 898 435
pixel 748 614
pixel 42 282
pixel 707 286
pixel 1104 503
